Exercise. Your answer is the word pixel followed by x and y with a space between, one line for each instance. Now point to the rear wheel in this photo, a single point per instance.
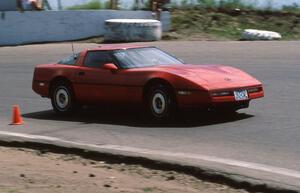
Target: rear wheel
pixel 62 98
pixel 160 102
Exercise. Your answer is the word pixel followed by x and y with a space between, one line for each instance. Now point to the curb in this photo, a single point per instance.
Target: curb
pixel 112 156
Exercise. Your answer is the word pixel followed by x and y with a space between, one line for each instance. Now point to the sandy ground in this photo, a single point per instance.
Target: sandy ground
pixel 24 171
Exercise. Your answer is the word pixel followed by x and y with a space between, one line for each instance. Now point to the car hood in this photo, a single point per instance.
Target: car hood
pixel 212 76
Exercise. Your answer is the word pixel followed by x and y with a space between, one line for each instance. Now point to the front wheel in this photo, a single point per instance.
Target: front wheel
pixel 62 98
pixel 161 102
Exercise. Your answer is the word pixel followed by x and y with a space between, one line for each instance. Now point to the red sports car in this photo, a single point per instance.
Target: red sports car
pixel 127 74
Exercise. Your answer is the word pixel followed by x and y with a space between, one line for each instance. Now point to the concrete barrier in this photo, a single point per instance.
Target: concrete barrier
pixel 253 34
pixel 51 26
pixel 132 30
pixel 8 5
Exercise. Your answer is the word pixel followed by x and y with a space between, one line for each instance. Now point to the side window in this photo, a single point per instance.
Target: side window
pixel 97 59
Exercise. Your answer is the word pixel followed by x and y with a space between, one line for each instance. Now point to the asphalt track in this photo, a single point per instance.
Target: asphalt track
pixel 264 139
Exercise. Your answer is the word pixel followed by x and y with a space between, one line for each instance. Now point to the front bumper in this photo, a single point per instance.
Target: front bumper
pixel 252 94
pixel 207 99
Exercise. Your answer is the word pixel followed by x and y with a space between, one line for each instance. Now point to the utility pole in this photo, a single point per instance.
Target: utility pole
pixel 114 4
pixel 59 5
pixel 45 4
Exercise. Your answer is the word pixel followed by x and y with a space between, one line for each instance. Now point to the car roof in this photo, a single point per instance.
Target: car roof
pixel 116 47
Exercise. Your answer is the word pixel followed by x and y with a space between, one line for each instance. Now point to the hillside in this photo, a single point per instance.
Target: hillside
pixel 205 24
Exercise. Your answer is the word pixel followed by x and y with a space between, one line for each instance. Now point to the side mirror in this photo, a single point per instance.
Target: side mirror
pixel 110 66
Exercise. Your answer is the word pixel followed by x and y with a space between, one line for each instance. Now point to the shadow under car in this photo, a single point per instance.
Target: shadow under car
pixel 138 118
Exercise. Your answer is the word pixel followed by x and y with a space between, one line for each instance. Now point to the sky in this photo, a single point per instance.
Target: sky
pixel 260 3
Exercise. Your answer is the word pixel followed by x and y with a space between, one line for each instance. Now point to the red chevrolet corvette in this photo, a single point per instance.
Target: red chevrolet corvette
pixel 126 74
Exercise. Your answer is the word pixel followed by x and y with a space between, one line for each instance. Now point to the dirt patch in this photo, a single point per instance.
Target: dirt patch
pixel 25 170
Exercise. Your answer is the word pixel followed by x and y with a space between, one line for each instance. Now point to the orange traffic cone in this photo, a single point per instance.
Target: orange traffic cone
pixel 16 117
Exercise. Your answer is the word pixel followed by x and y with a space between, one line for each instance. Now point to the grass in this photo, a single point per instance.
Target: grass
pixel 148 189
pixel 216 4
pixel 225 4
pixel 228 24
pixel 93 4
pixel 295 8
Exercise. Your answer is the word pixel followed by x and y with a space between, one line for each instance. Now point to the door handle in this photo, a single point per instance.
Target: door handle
pixel 81 73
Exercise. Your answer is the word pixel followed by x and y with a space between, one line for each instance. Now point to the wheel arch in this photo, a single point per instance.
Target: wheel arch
pixel 157 81
pixel 58 79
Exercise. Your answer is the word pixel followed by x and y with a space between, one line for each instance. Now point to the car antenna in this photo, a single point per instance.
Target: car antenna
pixel 73 50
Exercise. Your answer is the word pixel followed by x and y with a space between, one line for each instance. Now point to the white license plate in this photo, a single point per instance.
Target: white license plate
pixel 240 95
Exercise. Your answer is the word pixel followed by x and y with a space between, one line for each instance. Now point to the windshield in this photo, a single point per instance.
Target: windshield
pixel 71 60
pixel 144 57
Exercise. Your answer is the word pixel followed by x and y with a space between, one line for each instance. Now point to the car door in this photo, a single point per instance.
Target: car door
pixel 96 84
pixel 92 80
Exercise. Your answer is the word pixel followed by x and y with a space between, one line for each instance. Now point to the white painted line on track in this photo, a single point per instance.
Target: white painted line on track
pixel 224 161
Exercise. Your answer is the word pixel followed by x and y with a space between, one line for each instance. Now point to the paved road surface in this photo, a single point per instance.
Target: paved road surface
pixel 267 133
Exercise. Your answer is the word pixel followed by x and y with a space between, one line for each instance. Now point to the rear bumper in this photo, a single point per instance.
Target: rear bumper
pixel 41 88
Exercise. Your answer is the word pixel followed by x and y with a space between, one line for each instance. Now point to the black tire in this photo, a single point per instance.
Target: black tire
pixel 161 102
pixel 62 98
